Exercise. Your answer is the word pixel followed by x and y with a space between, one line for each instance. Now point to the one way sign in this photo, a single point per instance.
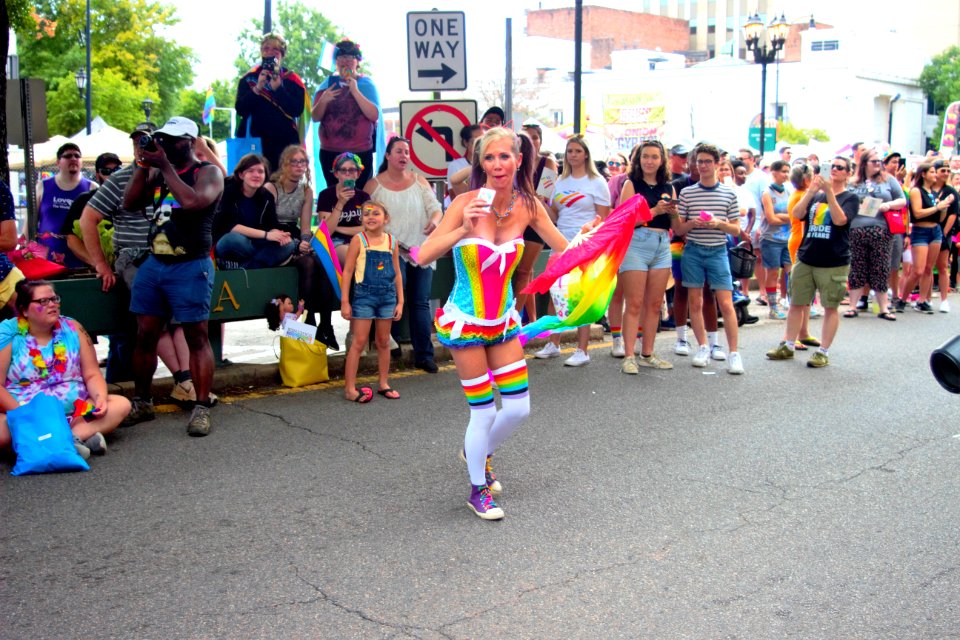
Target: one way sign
pixel 436 49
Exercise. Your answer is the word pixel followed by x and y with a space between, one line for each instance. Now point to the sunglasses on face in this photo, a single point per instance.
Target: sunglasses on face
pixel 71 156
pixel 349 170
pixel 838 167
pixel 614 163
pixel 107 171
pixel 45 301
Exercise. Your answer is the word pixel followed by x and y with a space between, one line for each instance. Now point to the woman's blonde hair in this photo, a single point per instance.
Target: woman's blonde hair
pixel 279 175
pixel 588 161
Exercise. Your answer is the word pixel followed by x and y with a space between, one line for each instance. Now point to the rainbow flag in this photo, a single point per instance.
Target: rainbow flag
pixel 327 257
pixel 208 106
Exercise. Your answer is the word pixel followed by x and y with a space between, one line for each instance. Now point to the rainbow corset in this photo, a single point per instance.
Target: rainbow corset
pixel 480 309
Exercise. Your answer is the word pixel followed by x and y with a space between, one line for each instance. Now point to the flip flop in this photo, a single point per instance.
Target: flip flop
pixel 853 313
pixel 799 346
pixel 886 315
pixel 364 395
pixel 385 393
pixel 810 341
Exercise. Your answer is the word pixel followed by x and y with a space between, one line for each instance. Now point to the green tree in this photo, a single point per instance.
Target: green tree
pixel 125 41
pixel 191 106
pixel 304 29
pixel 112 94
pixel 941 81
pixel 786 132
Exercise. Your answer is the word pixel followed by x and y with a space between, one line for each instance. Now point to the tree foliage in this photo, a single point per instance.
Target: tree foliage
pixel 191 106
pixel 130 59
pixel 786 132
pixel 304 29
pixel 941 78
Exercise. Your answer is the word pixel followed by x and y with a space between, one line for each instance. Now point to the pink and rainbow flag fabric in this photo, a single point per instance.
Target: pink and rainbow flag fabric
pixel 327 257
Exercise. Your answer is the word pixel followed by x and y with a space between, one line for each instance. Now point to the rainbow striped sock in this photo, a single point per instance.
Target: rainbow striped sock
pixel 512 379
pixel 479 391
pixel 615 332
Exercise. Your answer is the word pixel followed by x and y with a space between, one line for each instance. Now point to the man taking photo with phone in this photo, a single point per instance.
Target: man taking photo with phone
pixel 270 100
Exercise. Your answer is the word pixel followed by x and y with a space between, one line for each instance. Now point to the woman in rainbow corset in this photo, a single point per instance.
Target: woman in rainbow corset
pixel 479 323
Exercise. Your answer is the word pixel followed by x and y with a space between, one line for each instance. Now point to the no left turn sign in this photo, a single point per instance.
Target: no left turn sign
pixel 433 129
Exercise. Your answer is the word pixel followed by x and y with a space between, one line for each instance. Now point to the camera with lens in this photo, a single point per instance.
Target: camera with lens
pixel 269 64
pixel 147 142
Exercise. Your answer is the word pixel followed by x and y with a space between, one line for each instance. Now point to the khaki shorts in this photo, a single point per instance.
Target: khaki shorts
pixel 831 282
pixel 8 285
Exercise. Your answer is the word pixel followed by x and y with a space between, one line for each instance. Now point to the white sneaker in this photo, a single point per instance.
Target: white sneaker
pixel 578 359
pixel 735 365
pixel 944 306
pixel 549 350
pixel 702 357
pixel 682 348
pixel 617 350
pixel 716 353
pixel 815 311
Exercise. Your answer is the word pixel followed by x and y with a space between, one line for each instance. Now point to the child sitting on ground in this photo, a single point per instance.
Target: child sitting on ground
pixel 373 269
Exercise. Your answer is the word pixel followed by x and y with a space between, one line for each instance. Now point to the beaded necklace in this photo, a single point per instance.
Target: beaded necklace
pixel 59 362
pixel 506 214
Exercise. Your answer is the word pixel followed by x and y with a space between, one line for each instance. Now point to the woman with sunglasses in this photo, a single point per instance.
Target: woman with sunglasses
pixel 414 214
pixel 926 236
pixel 347 106
pixel 479 323
pixel 44 352
pixel 870 239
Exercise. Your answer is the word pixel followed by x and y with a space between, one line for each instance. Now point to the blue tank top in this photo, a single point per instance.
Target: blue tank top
pixel 53 212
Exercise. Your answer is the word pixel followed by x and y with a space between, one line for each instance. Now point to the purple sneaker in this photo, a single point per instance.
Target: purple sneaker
pixel 495 487
pixel 481 503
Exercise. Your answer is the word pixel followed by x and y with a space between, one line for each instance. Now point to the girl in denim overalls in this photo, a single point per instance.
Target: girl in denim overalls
pixel 373 268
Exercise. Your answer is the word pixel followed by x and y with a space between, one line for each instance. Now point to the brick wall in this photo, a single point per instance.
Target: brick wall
pixel 611 29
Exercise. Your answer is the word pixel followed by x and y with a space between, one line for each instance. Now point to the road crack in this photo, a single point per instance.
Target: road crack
pixel 322 434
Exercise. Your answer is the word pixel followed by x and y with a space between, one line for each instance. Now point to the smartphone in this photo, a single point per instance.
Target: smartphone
pixel 903 162
pixel 349 183
pixel 487 195
pixel 666 198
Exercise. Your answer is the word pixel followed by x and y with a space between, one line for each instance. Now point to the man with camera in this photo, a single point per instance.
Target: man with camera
pixel 270 101
pixel 176 279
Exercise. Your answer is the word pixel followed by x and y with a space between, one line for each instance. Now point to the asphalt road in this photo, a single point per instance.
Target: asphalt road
pixel 785 503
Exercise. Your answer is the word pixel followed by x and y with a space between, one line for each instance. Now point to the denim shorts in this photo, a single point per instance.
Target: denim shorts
pixel 775 254
pixel 179 290
pixel 373 302
pixel 923 236
pixel 648 250
pixel 702 264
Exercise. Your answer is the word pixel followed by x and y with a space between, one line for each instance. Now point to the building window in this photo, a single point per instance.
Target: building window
pixel 711 29
pixel 693 30
pixel 825 45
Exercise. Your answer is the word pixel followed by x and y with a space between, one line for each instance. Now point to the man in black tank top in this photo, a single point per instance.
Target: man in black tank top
pixel 176 280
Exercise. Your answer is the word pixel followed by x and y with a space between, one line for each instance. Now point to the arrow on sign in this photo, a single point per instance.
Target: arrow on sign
pixel 444 73
pixel 445 132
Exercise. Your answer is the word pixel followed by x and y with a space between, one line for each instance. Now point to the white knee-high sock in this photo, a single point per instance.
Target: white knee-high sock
pixel 514 399
pixel 476 441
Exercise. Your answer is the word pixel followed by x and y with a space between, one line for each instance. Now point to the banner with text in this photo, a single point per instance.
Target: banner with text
pixel 630 118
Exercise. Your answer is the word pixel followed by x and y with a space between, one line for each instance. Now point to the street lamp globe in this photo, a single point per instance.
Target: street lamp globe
pixel 778 30
pixel 147 105
pixel 751 31
pixel 81 78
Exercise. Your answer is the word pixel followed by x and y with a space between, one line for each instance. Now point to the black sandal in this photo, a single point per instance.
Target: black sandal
pixel 886 315
pixel 852 313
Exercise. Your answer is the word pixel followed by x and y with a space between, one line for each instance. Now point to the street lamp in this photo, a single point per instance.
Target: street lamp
pixel 777 33
pixel 147 105
pixel 81 78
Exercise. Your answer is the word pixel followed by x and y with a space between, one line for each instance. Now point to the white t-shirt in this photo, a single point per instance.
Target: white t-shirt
pixel 746 202
pixel 576 200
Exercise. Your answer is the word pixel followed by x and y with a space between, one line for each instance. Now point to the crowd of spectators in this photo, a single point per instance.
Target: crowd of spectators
pixel 823 235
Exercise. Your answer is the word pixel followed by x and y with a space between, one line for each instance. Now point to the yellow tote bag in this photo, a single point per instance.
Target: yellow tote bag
pixel 301 363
